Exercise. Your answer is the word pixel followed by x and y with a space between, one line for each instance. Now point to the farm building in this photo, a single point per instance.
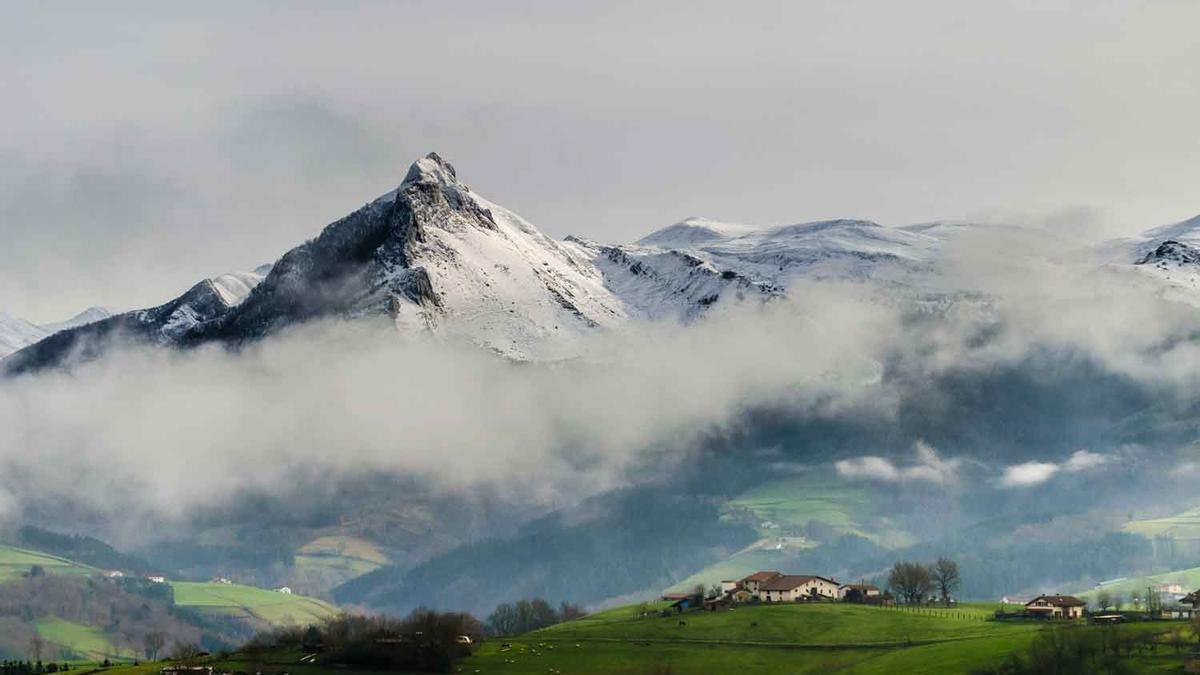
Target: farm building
pixel 754 582
pixel 858 592
pixel 791 587
pixel 1055 606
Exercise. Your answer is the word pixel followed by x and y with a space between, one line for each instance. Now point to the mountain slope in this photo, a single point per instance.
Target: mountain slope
pixel 434 256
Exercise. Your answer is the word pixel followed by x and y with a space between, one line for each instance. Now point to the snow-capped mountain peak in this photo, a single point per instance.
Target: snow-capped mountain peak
pixel 434 256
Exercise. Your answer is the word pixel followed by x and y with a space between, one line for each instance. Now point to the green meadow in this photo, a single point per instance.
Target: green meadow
pixel 15 562
pixel 776 639
pixel 271 607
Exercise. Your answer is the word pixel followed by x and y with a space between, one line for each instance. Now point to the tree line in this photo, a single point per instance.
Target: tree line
pixel 31 667
pixel 527 615
pixel 424 641
pixel 915 582
pixel 1080 650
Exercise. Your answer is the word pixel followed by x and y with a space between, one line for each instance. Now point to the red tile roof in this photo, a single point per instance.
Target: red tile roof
pixel 762 576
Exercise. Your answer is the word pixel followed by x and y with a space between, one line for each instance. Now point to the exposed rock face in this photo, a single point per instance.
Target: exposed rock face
pixel 1172 253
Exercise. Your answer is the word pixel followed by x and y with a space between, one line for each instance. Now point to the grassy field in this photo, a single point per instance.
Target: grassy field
pixel 819 638
pixel 818 624
pixel 15 562
pixel 253 603
pixel 795 502
pixel 84 642
pixel 774 639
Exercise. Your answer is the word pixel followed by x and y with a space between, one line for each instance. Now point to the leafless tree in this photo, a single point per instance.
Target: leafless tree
pixel 946 577
pixel 154 644
pixel 912 581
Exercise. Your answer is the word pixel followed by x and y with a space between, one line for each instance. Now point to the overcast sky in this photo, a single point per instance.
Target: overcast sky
pixel 144 146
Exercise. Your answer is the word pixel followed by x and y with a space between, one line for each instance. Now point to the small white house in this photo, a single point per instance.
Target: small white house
pixel 156 578
pixel 284 589
pixel 1056 606
pixel 114 574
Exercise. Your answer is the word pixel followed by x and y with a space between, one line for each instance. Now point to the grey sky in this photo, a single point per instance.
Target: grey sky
pixel 144 146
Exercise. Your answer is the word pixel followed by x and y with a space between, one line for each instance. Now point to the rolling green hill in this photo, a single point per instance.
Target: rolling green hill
pixel 777 639
pixel 254 604
pixel 15 562
pixel 79 614
pixel 821 499
pixel 1189 579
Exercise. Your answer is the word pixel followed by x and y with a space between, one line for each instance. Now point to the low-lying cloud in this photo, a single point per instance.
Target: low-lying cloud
pixel 927 467
pixel 1035 473
pixel 866 371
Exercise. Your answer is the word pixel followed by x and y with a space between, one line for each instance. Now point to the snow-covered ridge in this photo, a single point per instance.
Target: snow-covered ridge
pixel 434 256
pixel 17 333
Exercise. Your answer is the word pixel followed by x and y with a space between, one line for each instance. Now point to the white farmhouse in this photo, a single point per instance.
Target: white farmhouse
pixel 792 587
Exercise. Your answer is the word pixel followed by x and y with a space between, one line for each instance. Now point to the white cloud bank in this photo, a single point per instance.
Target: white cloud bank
pixel 927 467
pixel 1036 473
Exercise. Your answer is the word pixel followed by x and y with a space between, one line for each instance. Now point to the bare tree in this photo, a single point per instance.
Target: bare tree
pixel 569 612
pixel 911 581
pixel 946 578
pixel 186 653
pixel 1103 600
pixel 154 642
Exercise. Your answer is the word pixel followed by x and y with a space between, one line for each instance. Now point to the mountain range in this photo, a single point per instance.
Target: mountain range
pixel 434 256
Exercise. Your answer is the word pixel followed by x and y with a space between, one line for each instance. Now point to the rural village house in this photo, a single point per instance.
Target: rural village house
pixel 1056 606
pixel 754 582
pixel 858 592
pixel 792 587
pixel 775 586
